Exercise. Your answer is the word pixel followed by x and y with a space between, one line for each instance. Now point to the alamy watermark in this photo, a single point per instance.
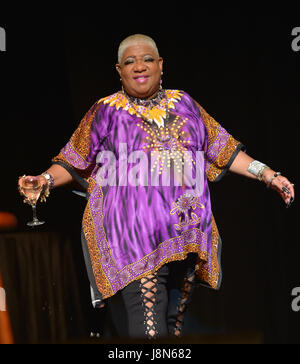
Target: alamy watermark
pixel 163 168
pixel 296 299
pixel 2 300
pixel 296 40
pixel 2 40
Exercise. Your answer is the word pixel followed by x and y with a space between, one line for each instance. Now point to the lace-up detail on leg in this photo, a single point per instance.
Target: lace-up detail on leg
pixel 184 299
pixel 148 288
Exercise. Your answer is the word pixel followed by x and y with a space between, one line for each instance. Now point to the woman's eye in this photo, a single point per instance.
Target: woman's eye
pixel 128 61
pixel 149 59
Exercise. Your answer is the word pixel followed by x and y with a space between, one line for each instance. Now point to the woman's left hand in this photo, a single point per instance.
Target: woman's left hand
pixel 281 185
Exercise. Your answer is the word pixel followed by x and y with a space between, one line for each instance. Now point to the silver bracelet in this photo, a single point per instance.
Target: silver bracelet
pixel 49 179
pixel 257 169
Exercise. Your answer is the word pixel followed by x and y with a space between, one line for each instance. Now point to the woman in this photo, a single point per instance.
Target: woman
pixel 148 230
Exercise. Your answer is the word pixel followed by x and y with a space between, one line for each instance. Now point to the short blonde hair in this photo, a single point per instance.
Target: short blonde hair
pixel 134 39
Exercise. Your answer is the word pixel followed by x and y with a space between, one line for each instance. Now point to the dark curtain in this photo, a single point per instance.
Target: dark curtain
pixel 44 294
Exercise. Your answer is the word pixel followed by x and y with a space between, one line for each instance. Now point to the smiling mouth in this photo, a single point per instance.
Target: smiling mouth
pixel 141 79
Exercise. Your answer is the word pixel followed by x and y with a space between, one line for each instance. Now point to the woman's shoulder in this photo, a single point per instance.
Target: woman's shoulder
pixel 180 95
pixel 184 99
pixel 107 99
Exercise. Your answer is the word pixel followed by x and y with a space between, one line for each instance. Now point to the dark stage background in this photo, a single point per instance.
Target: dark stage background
pixel 241 69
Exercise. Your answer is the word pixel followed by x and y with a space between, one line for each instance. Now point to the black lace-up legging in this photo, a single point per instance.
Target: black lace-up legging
pixel 156 304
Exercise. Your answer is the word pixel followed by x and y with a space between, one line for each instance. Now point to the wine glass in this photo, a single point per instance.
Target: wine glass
pixel 31 188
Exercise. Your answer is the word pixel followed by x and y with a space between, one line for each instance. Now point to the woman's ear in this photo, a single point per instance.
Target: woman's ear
pixel 161 61
pixel 118 68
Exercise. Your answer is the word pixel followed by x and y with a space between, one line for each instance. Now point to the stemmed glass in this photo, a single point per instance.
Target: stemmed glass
pixel 31 188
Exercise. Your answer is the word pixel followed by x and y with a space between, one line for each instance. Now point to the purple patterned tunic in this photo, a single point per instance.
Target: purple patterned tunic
pixel 147 173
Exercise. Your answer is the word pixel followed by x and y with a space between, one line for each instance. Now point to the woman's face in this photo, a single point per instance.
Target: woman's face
pixel 140 70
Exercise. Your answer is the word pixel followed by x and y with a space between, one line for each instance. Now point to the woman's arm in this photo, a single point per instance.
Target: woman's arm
pixel 280 183
pixel 59 174
pixel 241 164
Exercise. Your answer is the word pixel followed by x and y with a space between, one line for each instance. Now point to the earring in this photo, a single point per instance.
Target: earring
pixel 161 82
pixel 122 86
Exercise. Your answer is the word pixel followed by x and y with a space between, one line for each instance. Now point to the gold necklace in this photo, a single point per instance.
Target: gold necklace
pixel 148 104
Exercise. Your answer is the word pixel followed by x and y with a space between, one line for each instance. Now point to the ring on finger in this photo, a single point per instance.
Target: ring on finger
pixel 284 189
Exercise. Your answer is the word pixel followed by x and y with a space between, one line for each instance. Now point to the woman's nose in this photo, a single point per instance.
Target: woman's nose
pixel 139 66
